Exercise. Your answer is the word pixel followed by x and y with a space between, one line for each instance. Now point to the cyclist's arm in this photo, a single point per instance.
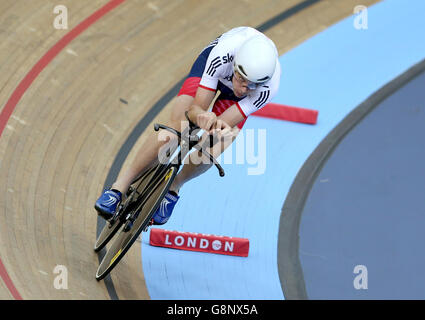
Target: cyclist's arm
pixel 226 124
pixel 200 104
pixel 232 116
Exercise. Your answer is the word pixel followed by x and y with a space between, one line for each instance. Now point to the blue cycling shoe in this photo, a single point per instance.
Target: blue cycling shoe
pixel 107 204
pixel 163 213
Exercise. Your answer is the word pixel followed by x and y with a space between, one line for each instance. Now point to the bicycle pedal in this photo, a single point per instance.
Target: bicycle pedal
pixel 128 225
pixel 129 191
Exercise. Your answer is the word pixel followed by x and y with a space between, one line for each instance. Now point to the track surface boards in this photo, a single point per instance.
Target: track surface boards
pixel 60 141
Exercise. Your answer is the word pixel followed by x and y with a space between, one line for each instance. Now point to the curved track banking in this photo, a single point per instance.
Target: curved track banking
pixel 368 199
pixel 58 145
pixel 328 238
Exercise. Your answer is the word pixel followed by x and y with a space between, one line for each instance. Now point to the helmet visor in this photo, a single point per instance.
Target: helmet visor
pixel 241 79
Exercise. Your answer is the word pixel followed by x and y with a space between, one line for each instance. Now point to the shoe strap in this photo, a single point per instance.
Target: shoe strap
pixel 171 197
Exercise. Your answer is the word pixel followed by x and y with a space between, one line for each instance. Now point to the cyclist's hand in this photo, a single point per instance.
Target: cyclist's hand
pixel 220 126
pixel 223 130
pixel 206 121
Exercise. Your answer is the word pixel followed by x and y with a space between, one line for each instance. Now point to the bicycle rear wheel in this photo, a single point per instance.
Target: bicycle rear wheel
pixel 110 229
pixel 147 207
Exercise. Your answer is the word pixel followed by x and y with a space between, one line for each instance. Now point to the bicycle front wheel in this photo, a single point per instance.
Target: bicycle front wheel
pixel 124 240
pixel 107 234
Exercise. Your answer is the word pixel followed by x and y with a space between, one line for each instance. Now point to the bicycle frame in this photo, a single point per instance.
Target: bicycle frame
pixel 157 181
pixel 186 142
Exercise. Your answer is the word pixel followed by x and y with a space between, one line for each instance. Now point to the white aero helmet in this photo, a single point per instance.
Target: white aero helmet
pixel 256 59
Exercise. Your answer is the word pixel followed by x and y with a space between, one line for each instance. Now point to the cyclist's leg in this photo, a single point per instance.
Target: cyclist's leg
pixel 147 155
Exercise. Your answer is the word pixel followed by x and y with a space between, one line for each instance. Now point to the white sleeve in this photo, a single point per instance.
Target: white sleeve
pixel 255 102
pixel 262 96
pixel 214 68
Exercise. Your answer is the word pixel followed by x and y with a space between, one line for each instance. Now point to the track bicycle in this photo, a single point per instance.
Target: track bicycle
pixel 135 214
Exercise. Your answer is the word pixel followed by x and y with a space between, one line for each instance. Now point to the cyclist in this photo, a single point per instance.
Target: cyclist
pixel 243 64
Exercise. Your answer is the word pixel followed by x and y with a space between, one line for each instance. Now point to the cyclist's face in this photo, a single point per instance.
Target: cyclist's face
pixel 241 86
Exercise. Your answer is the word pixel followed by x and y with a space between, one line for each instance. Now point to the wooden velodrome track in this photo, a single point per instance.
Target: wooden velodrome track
pixel 59 143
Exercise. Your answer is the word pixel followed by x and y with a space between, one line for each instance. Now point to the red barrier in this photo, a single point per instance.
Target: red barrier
pixel 282 112
pixel 199 242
